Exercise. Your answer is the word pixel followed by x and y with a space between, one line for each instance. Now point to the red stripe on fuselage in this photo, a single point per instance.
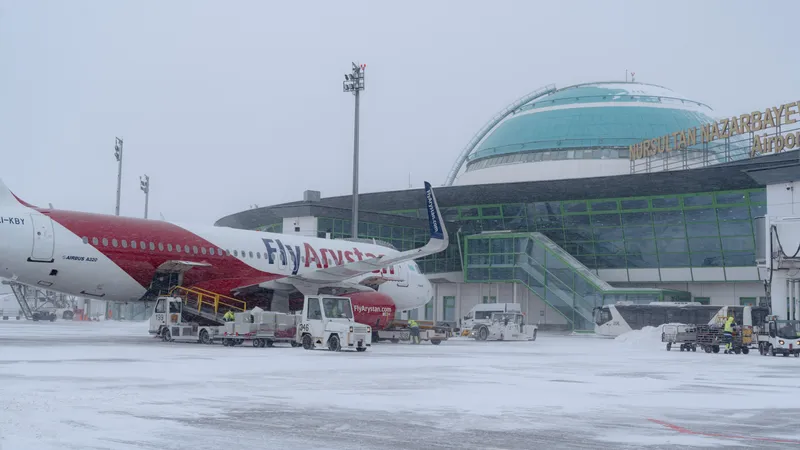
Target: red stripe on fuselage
pixel 225 271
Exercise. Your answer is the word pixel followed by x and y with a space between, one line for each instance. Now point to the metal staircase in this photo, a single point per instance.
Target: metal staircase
pixel 555 276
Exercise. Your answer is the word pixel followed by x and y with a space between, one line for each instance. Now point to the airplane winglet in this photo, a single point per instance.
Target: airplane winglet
pixel 435 222
pixel 9 198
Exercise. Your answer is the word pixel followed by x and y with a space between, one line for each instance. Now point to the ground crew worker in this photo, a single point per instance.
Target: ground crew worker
pixel 728 333
pixel 414 331
pixel 228 317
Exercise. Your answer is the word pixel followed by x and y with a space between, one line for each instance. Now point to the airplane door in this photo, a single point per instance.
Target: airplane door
pixel 401 272
pixel 43 239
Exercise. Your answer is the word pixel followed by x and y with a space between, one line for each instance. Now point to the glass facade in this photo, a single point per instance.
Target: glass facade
pixel 706 229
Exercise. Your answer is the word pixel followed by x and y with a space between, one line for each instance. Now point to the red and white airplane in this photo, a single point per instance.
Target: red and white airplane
pixel 120 258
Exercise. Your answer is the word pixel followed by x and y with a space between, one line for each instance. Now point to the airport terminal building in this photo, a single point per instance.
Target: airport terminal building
pixel 575 197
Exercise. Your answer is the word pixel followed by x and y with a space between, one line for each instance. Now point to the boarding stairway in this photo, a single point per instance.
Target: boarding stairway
pixel 552 274
pixel 206 307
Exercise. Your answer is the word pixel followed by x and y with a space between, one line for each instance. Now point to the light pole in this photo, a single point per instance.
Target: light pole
pixel 118 155
pixel 354 82
pixel 144 185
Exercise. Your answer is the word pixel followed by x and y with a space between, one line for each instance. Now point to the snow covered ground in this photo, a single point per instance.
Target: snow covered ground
pixel 108 385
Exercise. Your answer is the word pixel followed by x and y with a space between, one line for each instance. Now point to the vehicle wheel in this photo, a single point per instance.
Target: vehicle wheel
pixel 204 338
pixel 68 315
pixel 436 341
pixel 394 340
pixel 166 335
pixel 796 354
pixel 694 347
pixel 295 344
pixel 707 349
pixel 483 334
pixel 534 335
pixel 737 350
pixel 333 343
pixel 52 317
pixel 361 349
pixel 268 343
pixel 745 350
pixel 715 348
pixel 308 343
pixel 669 346
pixel 257 343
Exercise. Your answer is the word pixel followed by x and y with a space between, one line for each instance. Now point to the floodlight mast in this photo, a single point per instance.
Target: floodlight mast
pixel 354 82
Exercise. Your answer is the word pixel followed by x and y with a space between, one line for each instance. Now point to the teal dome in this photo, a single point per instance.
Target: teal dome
pixel 603 119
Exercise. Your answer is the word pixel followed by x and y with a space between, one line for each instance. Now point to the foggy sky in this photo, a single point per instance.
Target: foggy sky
pixel 230 103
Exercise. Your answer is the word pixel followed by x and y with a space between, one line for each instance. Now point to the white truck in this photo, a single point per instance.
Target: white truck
pixel 262 328
pixel 780 337
pixel 504 326
pixel 327 323
pixel 482 314
pixel 167 323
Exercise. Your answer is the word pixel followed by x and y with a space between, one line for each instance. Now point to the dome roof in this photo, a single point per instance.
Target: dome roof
pixel 593 115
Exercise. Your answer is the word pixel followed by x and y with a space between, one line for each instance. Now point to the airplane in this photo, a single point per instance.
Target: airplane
pixel 125 259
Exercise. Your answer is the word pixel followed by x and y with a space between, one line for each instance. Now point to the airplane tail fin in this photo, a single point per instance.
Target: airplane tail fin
pixel 7 198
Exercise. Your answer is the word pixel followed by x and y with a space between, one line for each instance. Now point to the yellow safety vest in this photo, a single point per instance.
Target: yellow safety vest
pixel 412 323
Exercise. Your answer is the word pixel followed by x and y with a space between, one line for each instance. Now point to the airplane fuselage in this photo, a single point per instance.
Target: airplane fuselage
pixel 116 258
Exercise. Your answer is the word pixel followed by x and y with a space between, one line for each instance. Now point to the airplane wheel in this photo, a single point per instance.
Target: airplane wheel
pixel 333 343
pixel 308 343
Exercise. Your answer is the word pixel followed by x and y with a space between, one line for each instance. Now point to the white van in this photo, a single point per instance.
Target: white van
pixel 482 313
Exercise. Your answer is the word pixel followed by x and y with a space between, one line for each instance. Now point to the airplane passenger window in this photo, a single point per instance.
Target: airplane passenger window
pixel 152 246
pixel 258 255
pixel 160 246
pixel 203 250
pixel 178 248
pixel 244 254
pixel 133 244
pixel 235 253
pixel 141 245
pixel 124 243
pixel 211 251
pixel 105 241
pixel 251 254
pixel 114 243
pixel 186 248
pixel 169 247
pixel 85 240
pixel 94 241
pixel 194 249
pixel 221 252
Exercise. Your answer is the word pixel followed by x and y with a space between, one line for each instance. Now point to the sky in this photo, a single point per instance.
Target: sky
pixel 227 104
